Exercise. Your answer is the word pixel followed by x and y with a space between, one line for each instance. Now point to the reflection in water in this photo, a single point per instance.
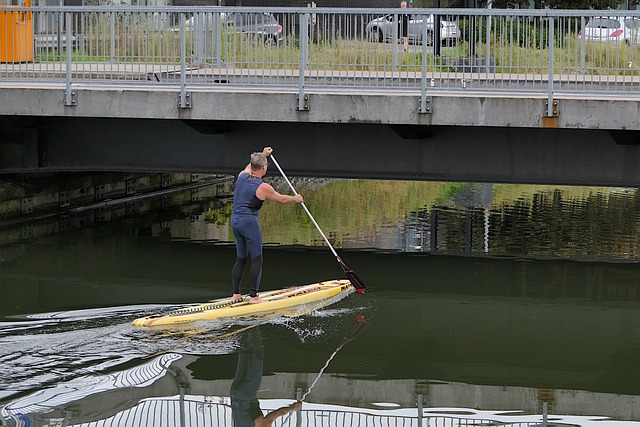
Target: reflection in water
pixel 180 389
pixel 246 383
pixel 183 388
pixel 531 304
pixel 572 222
pixel 65 395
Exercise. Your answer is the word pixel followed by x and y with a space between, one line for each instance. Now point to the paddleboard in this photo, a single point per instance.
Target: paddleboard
pixel 314 295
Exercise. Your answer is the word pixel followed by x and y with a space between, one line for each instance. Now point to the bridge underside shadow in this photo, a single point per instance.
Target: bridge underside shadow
pixel 344 150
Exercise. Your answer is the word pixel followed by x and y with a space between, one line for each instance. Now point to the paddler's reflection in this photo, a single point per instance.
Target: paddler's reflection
pixel 246 383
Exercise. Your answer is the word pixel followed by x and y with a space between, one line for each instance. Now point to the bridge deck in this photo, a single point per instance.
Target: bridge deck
pixel 359 79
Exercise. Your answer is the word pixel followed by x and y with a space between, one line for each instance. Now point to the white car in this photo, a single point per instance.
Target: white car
pixel 612 30
pixel 381 29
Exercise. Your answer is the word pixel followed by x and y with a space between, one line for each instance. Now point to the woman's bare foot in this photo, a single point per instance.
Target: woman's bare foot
pixel 256 300
pixel 236 298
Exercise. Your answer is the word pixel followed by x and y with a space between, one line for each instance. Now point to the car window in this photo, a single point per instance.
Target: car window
pixel 632 23
pixel 270 19
pixel 235 19
pixel 264 18
pixel 603 23
pixel 253 19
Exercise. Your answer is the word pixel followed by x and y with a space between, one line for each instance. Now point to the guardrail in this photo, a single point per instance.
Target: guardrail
pixel 539 51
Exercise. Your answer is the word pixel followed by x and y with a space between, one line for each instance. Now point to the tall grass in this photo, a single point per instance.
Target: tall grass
pixel 570 56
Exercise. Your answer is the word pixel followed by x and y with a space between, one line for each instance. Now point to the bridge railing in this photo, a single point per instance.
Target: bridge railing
pixel 498 50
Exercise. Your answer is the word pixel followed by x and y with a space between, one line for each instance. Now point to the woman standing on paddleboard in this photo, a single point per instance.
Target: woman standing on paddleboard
pixel 249 195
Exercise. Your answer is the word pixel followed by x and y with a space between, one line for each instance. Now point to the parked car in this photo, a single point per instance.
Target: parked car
pixel 613 30
pixel 262 25
pixel 381 29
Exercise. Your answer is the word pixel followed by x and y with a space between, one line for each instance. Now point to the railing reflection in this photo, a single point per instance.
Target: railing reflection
pixel 190 411
pixel 162 392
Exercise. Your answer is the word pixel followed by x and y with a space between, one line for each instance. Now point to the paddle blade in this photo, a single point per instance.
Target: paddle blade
pixel 354 278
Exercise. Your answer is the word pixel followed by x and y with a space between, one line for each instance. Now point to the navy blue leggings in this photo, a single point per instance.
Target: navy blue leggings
pixel 255 275
pixel 248 235
pixel 246 230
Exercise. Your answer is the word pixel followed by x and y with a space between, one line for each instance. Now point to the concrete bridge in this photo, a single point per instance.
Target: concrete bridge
pixel 445 113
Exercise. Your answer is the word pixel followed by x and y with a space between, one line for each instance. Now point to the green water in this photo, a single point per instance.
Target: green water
pixel 481 298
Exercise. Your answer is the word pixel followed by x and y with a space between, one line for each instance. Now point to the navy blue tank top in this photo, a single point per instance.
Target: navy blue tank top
pixel 245 201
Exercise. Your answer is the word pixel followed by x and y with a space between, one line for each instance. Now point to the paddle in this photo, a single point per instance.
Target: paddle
pixel 353 277
pixel 356 329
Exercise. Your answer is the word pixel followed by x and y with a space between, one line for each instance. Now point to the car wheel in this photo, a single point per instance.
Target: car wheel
pixel 375 35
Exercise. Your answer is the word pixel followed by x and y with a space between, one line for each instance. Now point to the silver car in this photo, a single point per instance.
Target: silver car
pixel 381 30
pixel 263 25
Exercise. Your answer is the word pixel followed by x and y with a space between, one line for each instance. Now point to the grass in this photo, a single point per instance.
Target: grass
pixel 593 58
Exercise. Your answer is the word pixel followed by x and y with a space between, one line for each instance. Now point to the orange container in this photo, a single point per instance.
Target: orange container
pixel 16 33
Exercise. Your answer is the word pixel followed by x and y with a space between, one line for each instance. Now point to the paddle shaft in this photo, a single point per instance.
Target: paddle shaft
pixel 275 162
pixel 356 329
pixel 354 278
pixel 304 396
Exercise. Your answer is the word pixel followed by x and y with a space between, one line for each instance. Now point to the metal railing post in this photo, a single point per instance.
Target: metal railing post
pixel 583 53
pixel 184 100
pixel 550 82
pixel 112 29
pixel 488 43
pixel 69 94
pixel 199 32
pixel 394 42
pixel 304 54
pixel 299 395
pixel 423 85
pixel 217 36
pixel 183 392
pixel 59 17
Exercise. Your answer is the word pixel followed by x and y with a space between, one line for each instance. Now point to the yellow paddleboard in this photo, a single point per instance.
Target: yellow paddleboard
pixel 297 296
